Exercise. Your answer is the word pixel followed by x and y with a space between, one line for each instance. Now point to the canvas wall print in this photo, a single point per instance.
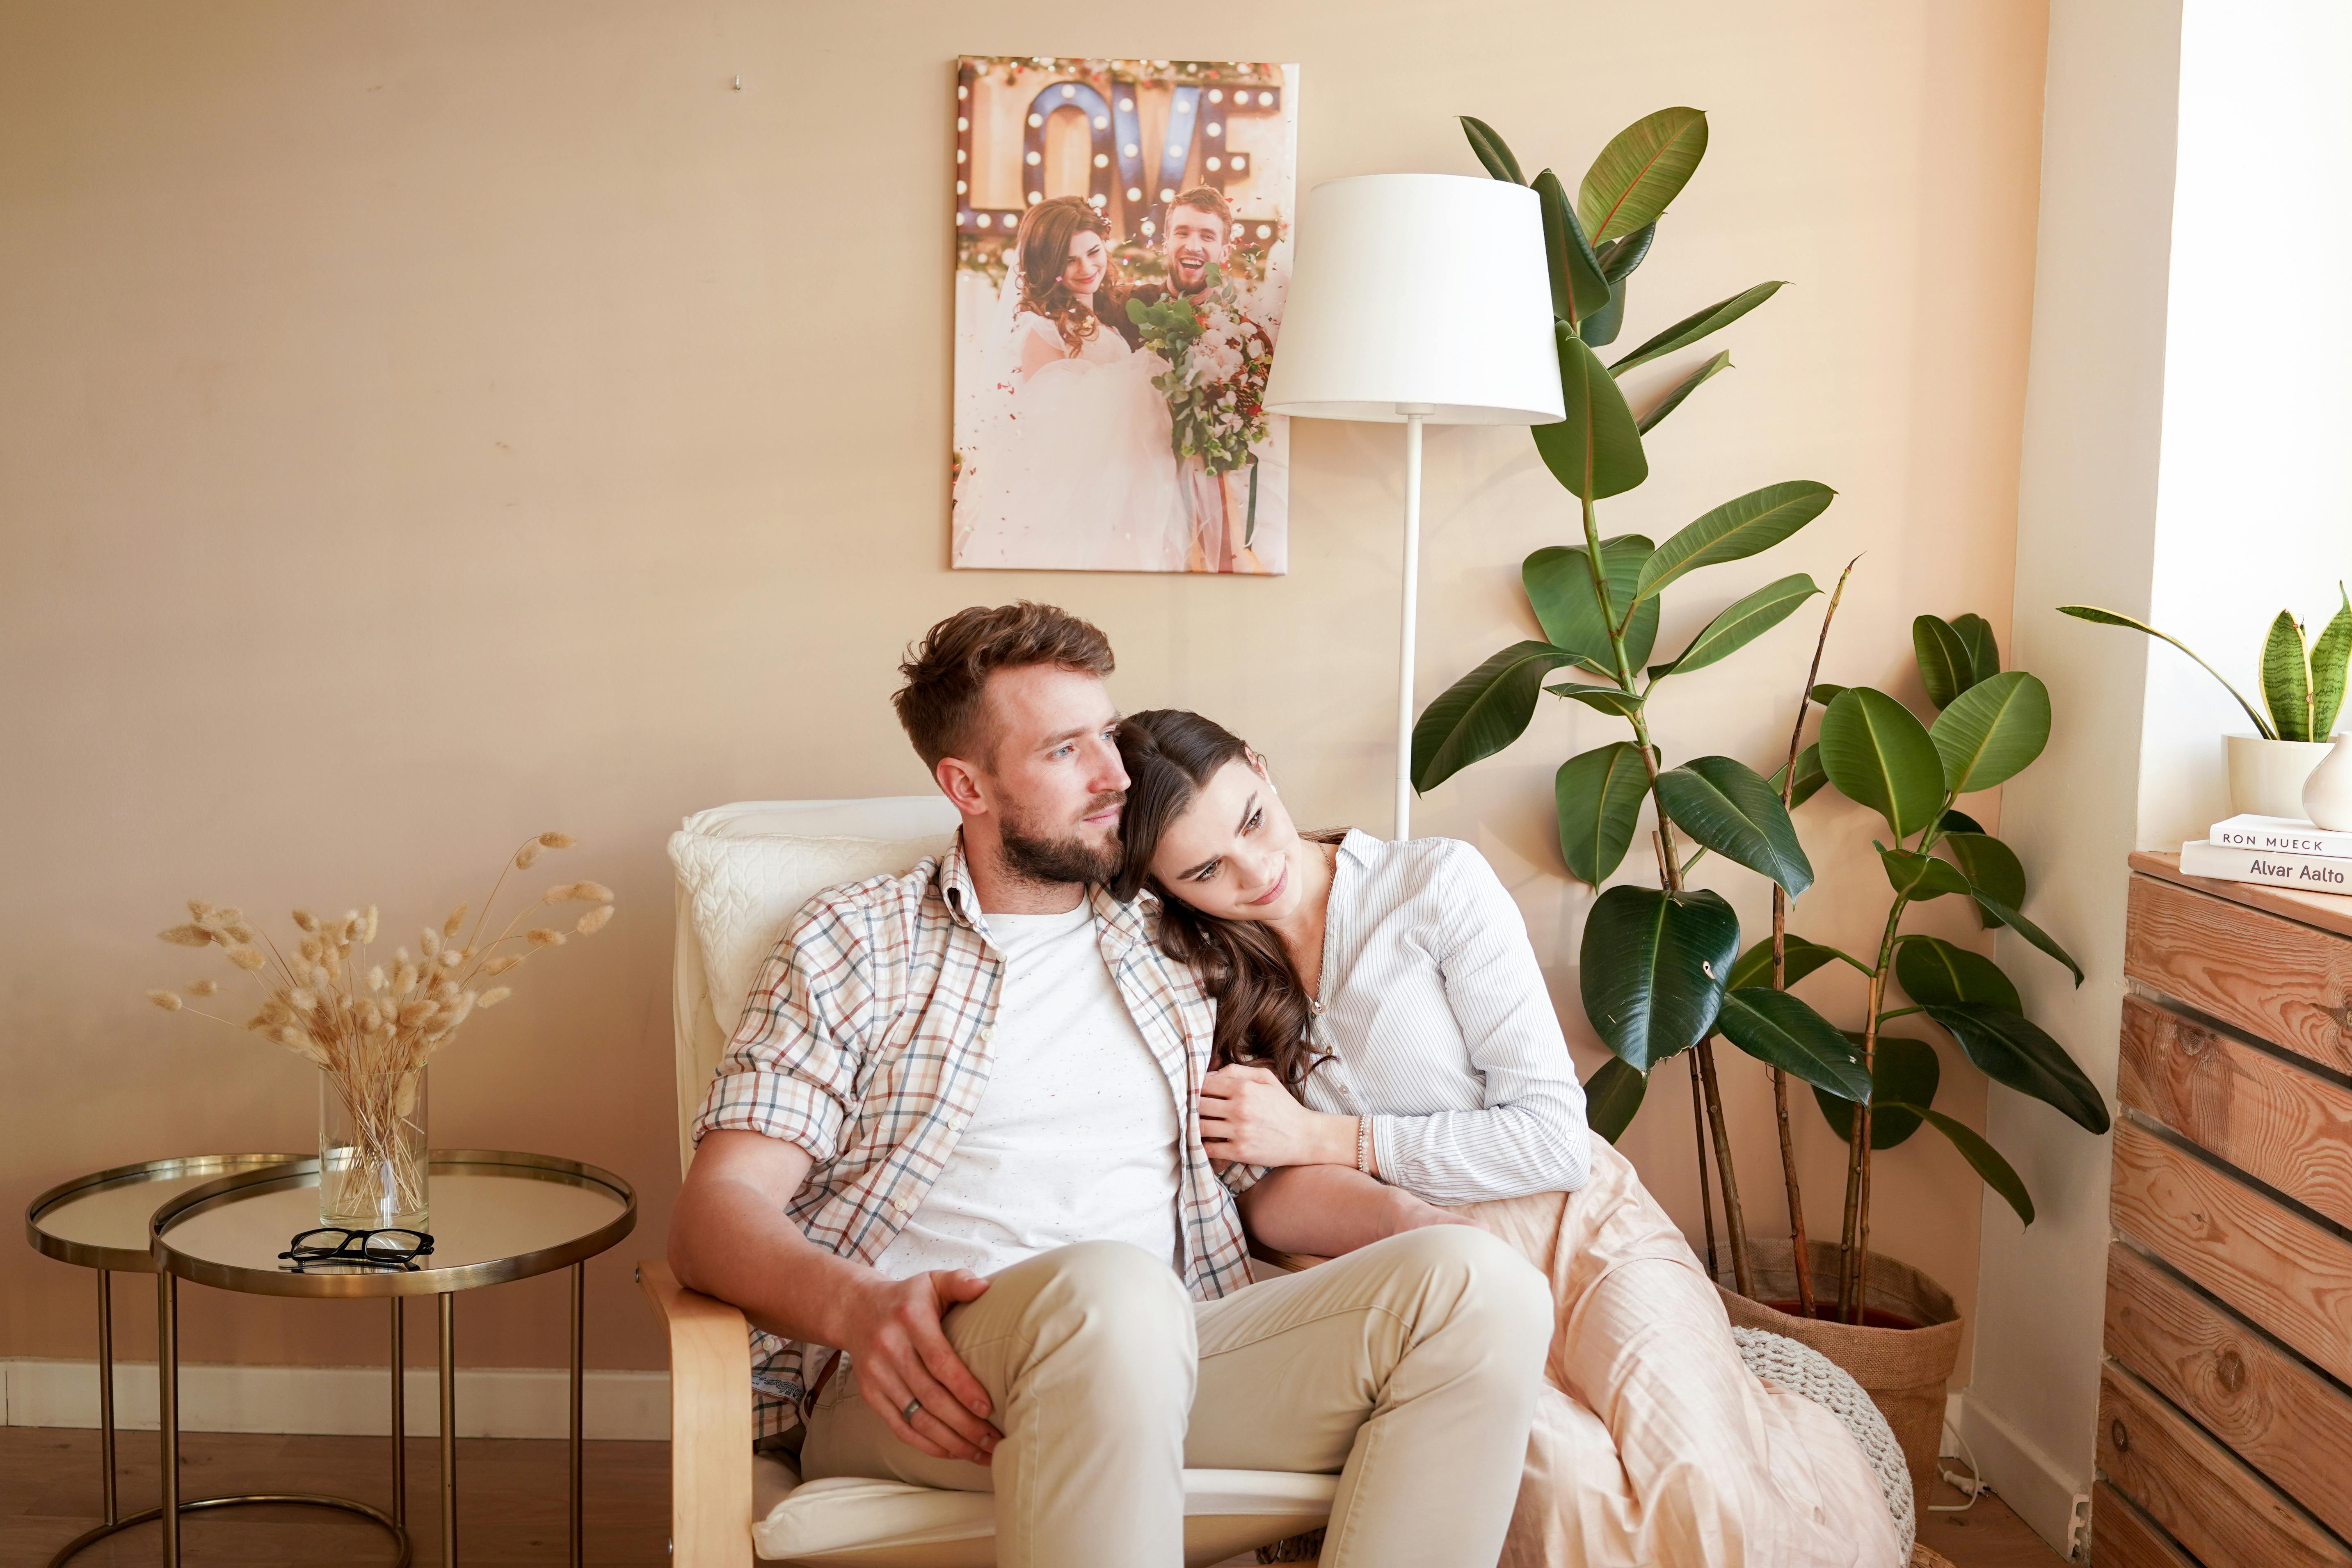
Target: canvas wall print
pixel 1122 244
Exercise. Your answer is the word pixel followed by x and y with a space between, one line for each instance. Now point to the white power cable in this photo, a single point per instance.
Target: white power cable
pixel 1972 1483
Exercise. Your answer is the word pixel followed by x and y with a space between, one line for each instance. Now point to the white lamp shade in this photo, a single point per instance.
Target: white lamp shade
pixel 1423 291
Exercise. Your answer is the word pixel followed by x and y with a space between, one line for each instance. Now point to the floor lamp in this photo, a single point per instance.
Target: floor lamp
pixel 1419 300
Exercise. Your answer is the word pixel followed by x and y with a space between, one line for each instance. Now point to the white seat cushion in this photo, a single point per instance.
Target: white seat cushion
pixel 888 1524
pixel 743 871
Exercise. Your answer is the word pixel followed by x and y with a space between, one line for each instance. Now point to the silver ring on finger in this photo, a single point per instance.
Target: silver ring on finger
pixel 908 1414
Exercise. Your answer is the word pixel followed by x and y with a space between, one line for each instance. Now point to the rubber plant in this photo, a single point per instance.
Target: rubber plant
pixel 1989 725
pixel 1657 960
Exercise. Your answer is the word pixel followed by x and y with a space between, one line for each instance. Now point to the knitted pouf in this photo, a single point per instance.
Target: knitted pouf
pixel 1812 1374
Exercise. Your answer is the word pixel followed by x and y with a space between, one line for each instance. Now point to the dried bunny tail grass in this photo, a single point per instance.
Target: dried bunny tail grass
pixel 310 949
pixel 451 957
pixel 247 958
pixel 198 909
pixel 525 856
pixel 240 934
pixel 493 996
pixel 540 936
pixel 429 942
pixel 367 925
pixel 301 1001
pixel 204 987
pixel 501 963
pixel 376 978
pixel 457 919
pixel 416 1012
pixel 404 977
pixel 594 920
pixel 187 936
pixel 558 840
pixel 228 915
pixel 165 1000
pixel 578 893
pixel 305 920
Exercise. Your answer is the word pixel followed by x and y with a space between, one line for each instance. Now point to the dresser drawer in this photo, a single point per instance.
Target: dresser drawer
pixel 2277 979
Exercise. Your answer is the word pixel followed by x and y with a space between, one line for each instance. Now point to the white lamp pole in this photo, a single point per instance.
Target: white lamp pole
pixel 1420 298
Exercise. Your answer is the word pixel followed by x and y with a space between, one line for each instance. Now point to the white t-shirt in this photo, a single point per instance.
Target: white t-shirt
pixel 1074 1138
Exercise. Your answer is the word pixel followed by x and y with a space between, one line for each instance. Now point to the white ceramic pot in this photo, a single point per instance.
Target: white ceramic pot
pixel 2327 793
pixel 2266 776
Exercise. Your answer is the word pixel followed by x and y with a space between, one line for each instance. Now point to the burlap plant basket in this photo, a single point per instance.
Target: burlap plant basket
pixel 1906 1371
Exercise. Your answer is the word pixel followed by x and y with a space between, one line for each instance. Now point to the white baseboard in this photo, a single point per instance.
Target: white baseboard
pixel 355 1401
pixel 2041 1491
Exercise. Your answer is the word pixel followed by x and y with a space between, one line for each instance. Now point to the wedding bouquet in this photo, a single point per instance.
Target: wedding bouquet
pixel 1217 362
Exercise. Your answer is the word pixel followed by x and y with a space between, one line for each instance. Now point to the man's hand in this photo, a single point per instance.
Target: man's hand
pixel 1248 1118
pixel 902 1357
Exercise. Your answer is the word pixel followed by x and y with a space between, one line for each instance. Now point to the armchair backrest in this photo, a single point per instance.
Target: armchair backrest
pixel 743 871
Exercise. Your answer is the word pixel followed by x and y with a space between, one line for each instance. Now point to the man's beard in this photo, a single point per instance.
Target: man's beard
pixel 1069 858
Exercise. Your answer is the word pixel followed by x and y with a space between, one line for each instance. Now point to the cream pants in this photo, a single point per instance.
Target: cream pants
pixel 1409 1368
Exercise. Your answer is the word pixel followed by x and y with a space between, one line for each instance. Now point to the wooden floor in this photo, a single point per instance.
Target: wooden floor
pixel 510 1502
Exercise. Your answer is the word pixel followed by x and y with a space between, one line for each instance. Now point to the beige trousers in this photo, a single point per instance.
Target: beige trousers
pixel 1410 1369
pixel 1653 1445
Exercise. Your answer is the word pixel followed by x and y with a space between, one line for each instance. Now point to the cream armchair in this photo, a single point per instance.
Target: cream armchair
pixel 742 872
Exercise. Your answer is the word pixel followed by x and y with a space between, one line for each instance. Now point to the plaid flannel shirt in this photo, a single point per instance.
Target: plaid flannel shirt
pixel 865 1042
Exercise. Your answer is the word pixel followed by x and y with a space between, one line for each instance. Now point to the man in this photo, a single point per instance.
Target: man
pixel 1196 233
pixel 955 1139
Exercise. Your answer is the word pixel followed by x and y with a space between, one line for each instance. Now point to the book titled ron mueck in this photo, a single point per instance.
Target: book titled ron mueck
pixel 2228 863
pixel 2286 835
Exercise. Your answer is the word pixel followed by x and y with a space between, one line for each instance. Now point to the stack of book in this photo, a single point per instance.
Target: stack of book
pixel 2278 850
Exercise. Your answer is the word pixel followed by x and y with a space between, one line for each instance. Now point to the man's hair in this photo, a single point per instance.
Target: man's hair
pixel 1207 199
pixel 948 671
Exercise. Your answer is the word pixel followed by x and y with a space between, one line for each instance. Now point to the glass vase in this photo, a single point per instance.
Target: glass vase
pixel 373 1154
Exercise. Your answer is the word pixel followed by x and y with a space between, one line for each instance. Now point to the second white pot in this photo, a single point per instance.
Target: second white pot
pixel 2327 793
pixel 2266 777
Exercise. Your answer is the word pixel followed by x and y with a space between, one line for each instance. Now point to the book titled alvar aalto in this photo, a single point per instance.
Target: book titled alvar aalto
pixel 2228 863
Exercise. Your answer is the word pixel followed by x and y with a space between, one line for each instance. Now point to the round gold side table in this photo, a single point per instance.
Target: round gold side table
pixel 99 1222
pixel 495 1216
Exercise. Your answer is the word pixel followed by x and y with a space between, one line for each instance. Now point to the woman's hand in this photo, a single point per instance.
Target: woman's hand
pixel 1248 1118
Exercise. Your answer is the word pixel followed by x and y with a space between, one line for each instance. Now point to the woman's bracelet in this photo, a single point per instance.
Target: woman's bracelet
pixel 1364 1147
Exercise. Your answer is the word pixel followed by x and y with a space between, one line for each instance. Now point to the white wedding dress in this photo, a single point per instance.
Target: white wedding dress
pixel 1073 471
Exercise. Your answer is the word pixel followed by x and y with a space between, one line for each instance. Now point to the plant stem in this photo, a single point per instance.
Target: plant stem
pixel 1799 1247
pixel 1854 1244
pixel 1743 1270
pixel 1705 1201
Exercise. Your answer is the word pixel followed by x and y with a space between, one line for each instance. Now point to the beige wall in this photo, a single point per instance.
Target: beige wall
pixel 423 424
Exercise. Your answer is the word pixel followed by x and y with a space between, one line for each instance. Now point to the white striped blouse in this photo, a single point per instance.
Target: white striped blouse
pixel 1441 1029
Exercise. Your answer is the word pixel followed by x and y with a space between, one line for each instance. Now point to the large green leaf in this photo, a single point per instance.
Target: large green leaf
pixel 1724 804
pixel 2011 1050
pixel 1598 795
pixel 1997 1172
pixel 1559 590
pixel 1481 713
pixel 1947 667
pixel 1612 1095
pixel 2097 616
pixel 1919 876
pixel 2287 679
pixel 1739 624
pixel 1810 776
pixel 1824 692
pixel 1736 530
pixel 1879 755
pixel 1608 699
pixel 1801 957
pixel 1781 1030
pixel 1955 820
pixel 1933 969
pixel 1596 451
pixel 1652 969
pixel 1988 863
pixel 1599 329
pixel 1682 389
pixel 1697 325
pixel 1491 150
pixel 1984 653
pixel 1904 1076
pixel 1644 167
pixel 1992 731
pixel 1578 288
pixel 2329 655
pixel 2007 914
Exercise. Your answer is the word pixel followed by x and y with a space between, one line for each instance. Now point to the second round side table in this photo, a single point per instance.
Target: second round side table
pixel 495 1216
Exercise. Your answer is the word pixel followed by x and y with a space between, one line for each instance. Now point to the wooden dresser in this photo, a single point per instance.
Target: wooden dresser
pixel 2225 1427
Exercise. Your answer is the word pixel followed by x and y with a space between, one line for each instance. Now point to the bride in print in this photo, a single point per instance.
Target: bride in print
pixel 1072 470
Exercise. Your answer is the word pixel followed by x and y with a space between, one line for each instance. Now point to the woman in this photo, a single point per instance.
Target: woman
pixel 1074 470
pixel 1386 1042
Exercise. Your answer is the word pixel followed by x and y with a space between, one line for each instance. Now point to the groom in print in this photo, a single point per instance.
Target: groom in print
pixel 1197 235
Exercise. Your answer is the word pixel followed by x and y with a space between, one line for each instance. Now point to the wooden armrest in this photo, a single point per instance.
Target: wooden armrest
pixel 710 1422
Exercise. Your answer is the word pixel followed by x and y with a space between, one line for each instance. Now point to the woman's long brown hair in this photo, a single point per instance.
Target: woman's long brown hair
pixel 1046 230
pixel 1263 1007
